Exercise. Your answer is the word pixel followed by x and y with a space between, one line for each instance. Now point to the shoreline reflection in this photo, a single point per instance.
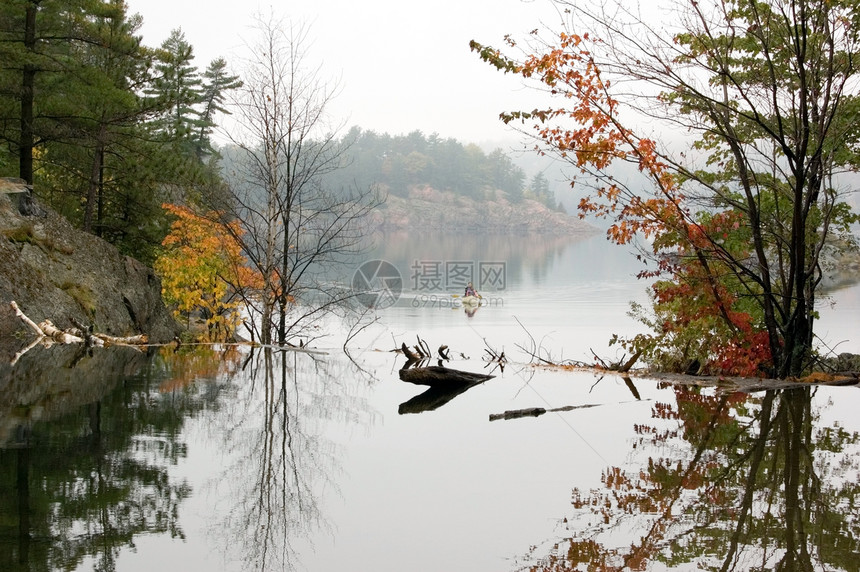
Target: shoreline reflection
pixel 720 481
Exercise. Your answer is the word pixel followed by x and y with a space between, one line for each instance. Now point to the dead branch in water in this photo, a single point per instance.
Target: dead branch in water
pixel 620 366
pixel 47 333
pixel 494 357
pixel 420 353
pixel 410 355
pixel 423 348
pixel 539 354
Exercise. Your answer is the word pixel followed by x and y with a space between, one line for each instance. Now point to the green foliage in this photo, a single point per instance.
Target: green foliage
pixel 176 89
pixel 117 127
pixel 217 82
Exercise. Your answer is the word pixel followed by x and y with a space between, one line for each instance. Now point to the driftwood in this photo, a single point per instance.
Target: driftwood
pixel 47 333
pixel 410 355
pixel 60 336
pixel 436 376
pixel 25 319
pixel 518 413
pixel 444 385
pixel 536 411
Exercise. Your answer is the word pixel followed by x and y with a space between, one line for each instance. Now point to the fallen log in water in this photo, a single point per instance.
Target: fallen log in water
pixel 536 411
pixel 441 376
pixel 517 413
pixel 445 384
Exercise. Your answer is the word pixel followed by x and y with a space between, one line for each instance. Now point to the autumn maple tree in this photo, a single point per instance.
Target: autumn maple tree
pixel 738 193
pixel 203 269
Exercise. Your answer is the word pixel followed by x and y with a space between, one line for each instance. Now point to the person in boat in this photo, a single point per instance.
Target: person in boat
pixel 470 291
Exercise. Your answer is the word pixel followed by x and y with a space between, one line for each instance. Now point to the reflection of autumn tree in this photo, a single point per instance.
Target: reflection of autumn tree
pixel 188 364
pixel 285 461
pixel 730 482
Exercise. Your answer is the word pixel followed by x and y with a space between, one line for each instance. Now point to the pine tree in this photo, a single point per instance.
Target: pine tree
pixel 177 88
pixel 216 83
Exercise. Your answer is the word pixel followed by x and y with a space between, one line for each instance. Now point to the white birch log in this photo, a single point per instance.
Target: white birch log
pixel 25 319
pixel 138 340
pixel 47 329
pixel 59 335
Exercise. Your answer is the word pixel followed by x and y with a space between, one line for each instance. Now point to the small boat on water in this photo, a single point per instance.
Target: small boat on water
pixel 471 300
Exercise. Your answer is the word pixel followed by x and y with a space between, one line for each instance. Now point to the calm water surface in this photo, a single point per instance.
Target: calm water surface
pixel 224 459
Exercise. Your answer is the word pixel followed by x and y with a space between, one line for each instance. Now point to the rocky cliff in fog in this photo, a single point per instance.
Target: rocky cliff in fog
pixel 429 209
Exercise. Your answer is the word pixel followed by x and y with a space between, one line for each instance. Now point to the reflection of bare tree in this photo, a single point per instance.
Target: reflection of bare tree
pixel 727 482
pixel 284 460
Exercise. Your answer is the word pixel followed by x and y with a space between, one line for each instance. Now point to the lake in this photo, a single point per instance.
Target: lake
pixel 223 458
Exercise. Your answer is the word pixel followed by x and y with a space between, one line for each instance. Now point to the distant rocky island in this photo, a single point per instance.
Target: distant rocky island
pixel 426 208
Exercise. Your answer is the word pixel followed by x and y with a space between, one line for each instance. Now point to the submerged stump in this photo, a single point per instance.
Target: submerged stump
pixel 439 376
pixel 444 385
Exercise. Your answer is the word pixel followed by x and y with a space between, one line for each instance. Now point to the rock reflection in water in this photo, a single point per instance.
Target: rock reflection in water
pixel 88 441
pixel 721 482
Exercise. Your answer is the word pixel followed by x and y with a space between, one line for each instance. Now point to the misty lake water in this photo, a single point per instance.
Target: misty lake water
pixel 219 458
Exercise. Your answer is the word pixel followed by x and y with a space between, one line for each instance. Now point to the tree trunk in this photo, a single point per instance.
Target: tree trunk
pixel 101 193
pixel 28 80
pixel 93 187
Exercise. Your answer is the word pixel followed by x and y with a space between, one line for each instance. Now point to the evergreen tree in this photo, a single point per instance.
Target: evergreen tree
pixel 177 86
pixel 539 188
pixel 104 136
pixel 216 83
pixel 506 176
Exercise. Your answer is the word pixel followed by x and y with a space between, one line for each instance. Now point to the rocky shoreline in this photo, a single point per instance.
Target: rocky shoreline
pixel 428 209
pixel 56 272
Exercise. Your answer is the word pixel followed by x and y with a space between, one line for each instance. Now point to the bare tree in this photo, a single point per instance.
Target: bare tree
pixel 296 231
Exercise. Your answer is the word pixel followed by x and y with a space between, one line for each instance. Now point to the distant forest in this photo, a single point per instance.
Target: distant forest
pixel 396 163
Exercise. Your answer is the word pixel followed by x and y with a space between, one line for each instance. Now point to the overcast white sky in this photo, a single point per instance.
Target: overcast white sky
pixel 402 65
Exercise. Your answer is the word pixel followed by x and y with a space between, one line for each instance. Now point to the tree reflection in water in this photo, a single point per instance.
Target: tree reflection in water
pixel 725 482
pixel 281 458
pixel 89 471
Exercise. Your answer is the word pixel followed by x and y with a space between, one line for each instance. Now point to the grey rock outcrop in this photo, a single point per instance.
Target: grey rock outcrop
pixel 56 272
pixel 429 209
